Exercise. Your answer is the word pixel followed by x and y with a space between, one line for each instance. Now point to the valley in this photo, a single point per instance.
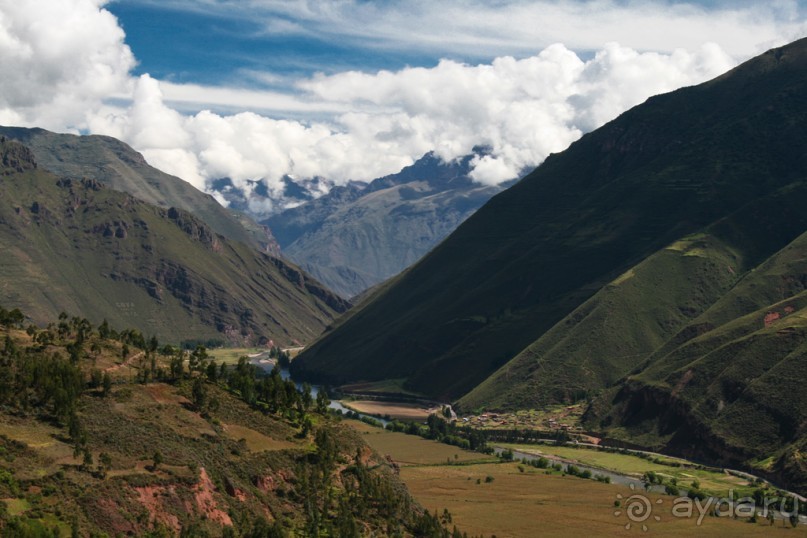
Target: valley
pixel 510 498
pixel 403 269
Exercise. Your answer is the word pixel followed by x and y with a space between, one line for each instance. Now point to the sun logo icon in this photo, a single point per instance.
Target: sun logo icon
pixel 637 507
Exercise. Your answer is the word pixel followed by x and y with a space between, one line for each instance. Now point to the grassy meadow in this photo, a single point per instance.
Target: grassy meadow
pixel 711 481
pixel 487 497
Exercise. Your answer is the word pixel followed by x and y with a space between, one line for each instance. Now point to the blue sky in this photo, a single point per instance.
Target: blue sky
pixel 355 89
pixel 219 46
pixel 215 42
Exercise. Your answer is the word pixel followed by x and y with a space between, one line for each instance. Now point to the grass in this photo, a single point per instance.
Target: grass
pixel 231 355
pixel 621 463
pixel 487 497
pixel 397 410
pixel 44 440
pixel 413 450
pixel 523 504
pixel 17 507
pixel 256 441
pixel 713 482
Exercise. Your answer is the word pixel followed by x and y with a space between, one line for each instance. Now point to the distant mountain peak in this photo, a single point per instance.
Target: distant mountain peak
pixel 358 235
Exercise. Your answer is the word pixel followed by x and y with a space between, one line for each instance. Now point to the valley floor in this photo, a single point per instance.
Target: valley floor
pixel 488 497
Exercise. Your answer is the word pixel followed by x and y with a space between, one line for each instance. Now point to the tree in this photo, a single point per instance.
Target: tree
pixel 156 460
pixel 87 461
pixel 198 359
pixel 199 393
pixel 177 366
pixel 106 385
pixel 322 401
pixel 104 330
pixel 96 378
pixel 307 400
pixel 104 464
pixel 212 372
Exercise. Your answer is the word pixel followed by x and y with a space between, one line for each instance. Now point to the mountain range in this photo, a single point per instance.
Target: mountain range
pixel 121 168
pixel 655 268
pixel 359 235
pixel 72 244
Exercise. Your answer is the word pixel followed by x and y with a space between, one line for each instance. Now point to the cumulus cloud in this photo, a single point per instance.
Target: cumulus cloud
pixel 521 109
pixel 60 61
pixel 68 68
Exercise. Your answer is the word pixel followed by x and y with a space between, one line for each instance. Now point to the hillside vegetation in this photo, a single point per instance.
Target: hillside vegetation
pixel 75 245
pixel 106 433
pixel 660 173
pixel 655 267
pixel 119 167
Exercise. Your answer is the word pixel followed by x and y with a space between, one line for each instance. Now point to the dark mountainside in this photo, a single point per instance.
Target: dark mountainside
pixel 357 236
pixel 665 245
pixel 74 245
pixel 121 168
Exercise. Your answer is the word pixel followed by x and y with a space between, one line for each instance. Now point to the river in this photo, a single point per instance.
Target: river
pixel 268 365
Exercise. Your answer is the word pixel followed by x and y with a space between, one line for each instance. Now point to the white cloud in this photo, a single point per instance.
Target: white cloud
pixel 483 29
pixel 522 109
pixel 73 66
pixel 60 60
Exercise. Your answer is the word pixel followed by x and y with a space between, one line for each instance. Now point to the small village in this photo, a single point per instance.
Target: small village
pixel 557 418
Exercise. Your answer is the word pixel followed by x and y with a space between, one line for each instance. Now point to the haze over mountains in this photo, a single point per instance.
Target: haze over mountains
pixel 676 225
pixel 359 235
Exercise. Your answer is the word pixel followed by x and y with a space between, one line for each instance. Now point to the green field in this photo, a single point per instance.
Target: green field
pixel 16 507
pixel 487 497
pixel 713 482
pixel 230 355
pixel 414 450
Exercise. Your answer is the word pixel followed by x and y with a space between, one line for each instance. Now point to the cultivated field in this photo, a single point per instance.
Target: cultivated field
pixel 402 411
pixel 230 355
pixel 414 450
pixel 713 482
pixel 514 500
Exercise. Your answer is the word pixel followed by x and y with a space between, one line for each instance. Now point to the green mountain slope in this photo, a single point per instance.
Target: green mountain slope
pixel 77 246
pixel 651 307
pixel 729 386
pixel 692 161
pixel 118 166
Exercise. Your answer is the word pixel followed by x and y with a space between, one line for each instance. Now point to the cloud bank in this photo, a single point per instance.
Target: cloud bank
pixel 522 109
pixel 69 68
pixel 61 60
